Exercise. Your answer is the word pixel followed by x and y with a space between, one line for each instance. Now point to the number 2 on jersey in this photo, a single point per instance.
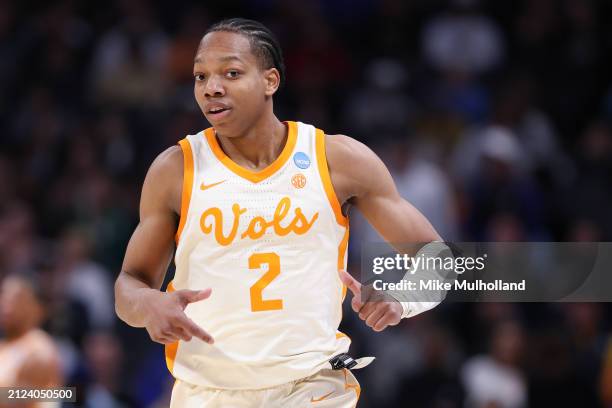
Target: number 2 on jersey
pixel 258 304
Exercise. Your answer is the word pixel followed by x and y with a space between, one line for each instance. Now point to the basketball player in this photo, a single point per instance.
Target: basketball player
pixel 28 356
pixel 258 211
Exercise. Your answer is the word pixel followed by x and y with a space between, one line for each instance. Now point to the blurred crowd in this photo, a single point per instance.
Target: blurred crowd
pixel 494 117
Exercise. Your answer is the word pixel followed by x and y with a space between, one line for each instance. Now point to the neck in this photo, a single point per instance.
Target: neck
pixel 15 333
pixel 259 145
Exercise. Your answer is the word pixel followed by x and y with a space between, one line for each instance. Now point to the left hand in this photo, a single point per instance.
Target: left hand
pixel 376 308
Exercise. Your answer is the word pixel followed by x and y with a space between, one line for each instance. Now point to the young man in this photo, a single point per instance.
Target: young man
pixel 258 211
pixel 28 355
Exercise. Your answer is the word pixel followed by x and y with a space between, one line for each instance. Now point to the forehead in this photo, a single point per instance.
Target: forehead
pixel 222 46
pixel 13 286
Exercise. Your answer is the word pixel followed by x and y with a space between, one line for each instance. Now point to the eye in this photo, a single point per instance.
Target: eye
pixel 232 74
pixel 199 77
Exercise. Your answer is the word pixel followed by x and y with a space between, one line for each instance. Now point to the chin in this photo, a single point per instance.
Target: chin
pixel 227 128
pixel 222 126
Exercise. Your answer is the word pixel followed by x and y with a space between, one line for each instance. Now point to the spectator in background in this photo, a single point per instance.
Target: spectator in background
pixel 584 230
pixel 128 68
pixel 480 146
pixel 436 383
pixel 316 87
pixel 566 357
pixel 426 185
pixel 103 356
pixel 463 39
pixel 496 180
pixel 114 136
pixel 461 45
pixel 496 379
pixel 594 184
pixel 584 321
pixel 382 105
pixel 83 280
pixel 19 246
pixel 179 65
pixel 514 108
pixel 28 355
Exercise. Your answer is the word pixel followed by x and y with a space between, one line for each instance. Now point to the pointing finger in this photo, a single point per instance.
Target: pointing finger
pixel 193 329
pixel 350 282
pixel 356 304
pixel 355 287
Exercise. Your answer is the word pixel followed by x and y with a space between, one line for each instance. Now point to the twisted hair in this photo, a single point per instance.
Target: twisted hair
pixel 264 44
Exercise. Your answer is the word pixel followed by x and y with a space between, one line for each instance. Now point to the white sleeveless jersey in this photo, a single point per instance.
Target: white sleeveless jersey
pixel 269 244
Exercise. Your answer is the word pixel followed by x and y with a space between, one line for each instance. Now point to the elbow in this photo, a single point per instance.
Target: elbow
pixel 432 236
pixel 118 298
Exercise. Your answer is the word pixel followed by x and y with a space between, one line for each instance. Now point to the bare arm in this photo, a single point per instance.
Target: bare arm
pixel 370 187
pixel 362 179
pixel 150 248
pixel 138 300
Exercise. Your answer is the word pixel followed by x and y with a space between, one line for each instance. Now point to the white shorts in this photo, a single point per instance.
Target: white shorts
pixel 325 389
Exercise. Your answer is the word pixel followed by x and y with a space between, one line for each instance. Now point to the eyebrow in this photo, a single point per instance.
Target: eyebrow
pixel 222 59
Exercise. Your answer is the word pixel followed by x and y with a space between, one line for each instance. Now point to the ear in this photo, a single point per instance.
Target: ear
pixel 272 81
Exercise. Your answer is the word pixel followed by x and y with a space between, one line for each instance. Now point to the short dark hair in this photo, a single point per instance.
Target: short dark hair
pixel 32 280
pixel 264 44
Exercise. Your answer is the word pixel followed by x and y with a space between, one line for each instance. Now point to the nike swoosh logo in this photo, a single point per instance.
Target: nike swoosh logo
pixel 207 186
pixel 320 399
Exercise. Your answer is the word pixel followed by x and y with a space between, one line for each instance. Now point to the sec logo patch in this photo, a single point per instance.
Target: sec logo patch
pixel 298 180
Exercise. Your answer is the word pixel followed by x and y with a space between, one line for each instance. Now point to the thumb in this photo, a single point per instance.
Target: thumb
pixel 351 283
pixel 187 296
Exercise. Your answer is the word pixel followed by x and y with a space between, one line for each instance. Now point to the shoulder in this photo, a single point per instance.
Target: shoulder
pixel 170 160
pixel 163 183
pixel 42 343
pixel 166 170
pixel 42 351
pixel 42 367
pixel 354 163
pixel 340 148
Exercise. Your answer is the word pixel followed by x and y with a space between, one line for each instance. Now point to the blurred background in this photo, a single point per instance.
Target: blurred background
pixel 493 116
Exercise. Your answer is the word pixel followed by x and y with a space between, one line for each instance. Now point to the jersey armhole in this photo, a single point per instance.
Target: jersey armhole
pixel 326 179
pixel 187 185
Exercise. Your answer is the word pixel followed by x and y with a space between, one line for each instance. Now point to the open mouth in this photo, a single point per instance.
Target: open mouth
pixel 218 112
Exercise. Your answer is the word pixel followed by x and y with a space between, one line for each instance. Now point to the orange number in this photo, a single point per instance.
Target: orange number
pixel 255 262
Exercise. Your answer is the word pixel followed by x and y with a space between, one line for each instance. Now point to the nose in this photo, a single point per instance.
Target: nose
pixel 214 87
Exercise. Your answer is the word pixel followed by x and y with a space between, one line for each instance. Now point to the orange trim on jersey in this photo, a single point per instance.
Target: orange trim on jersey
pixel 341 256
pixel 347 386
pixel 171 349
pixel 250 175
pixel 187 185
pixel 326 179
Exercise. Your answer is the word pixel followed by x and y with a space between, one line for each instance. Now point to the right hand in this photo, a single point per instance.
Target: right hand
pixel 376 308
pixel 167 322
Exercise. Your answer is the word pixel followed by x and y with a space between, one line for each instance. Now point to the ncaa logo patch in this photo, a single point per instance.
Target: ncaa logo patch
pixel 298 180
pixel 301 160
